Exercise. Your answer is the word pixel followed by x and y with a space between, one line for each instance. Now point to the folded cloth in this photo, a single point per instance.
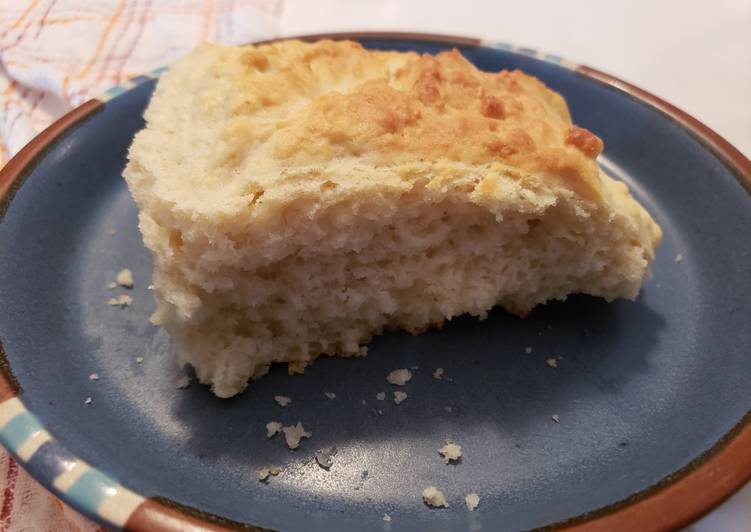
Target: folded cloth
pixel 55 55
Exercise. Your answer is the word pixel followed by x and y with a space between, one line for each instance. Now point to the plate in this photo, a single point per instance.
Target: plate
pixel 651 397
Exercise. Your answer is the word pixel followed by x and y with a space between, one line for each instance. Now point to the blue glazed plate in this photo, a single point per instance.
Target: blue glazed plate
pixel 643 391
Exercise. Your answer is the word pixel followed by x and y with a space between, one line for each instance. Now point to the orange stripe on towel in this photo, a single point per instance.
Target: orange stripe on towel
pixel 100 45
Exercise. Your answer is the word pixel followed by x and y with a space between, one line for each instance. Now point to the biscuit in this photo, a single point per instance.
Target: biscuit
pixel 300 198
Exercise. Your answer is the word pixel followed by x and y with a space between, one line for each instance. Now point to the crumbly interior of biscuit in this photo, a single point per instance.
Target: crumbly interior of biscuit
pixel 410 259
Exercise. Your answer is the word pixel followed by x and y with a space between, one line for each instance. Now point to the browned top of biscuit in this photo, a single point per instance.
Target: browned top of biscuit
pixel 310 103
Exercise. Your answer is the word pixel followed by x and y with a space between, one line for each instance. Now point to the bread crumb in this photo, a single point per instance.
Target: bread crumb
pixel 679 258
pixel 325 458
pixel 399 377
pixel 381 396
pixel 438 373
pixel 296 367
pixel 265 472
pixel 553 363
pixel 528 350
pixel 87 401
pixel 125 278
pixel 183 382
pixel 113 232
pixel 363 402
pixel 150 287
pixel 111 285
pixel 282 400
pixel 450 452
pixel 293 434
pixel 139 360
pixel 434 498
pixel 472 500
pixel 330 395
pixel 415 368
pixel 399 396
pixel 363 351
pixel 386 518
pixel 272 427
pixel 556 418
pixel 94 377
pixel 121 301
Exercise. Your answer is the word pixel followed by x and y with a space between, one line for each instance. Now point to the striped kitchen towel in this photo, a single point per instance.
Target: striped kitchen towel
pixel 56 54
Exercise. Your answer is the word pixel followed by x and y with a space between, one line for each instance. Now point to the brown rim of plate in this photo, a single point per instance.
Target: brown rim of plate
pixel 673 502
pixel 22 163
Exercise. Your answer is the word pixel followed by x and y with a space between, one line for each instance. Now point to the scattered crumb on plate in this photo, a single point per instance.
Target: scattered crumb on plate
pixel 415 368
pixel 282 400
pixel 556 418
pixel 399 396
pixel 434 498
pixel 553 363
pixel 125 278
pixel 528 350
pixel 123 300
pixel 112 284
pixel 363 351
pixel 150 287
pixel 87 401
pixel 265 472
pixel 330 395
pixel 450 452
pixel 438 373
pixel 679 258
pixel 381 396
pixel 113 232
pixel 94 377
pixel 399 377
pixel 183 382
pixel 386 518
pixel 293 434
pixel 139 360
pixel 472 500
pixel 272 427
pixel 325 458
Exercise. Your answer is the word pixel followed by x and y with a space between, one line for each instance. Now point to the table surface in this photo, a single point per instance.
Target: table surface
pixel 696 55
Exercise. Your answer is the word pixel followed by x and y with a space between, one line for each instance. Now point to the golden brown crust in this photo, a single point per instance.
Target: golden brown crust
pixel 589 144
pixel 306 104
